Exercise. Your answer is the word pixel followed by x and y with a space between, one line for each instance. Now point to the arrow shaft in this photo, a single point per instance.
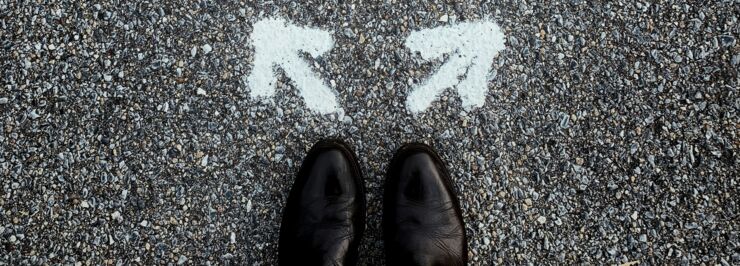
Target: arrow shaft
pixel 447 76
pixel 314 91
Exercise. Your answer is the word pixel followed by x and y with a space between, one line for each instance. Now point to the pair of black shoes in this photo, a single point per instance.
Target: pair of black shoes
pixel 324 217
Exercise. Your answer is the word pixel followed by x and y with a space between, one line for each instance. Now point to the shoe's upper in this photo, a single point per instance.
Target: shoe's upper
pixel 324 216
pixel 422 220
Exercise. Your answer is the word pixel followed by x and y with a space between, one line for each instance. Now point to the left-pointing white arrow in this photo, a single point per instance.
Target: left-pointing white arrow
pixel 280 44
pixel 471 48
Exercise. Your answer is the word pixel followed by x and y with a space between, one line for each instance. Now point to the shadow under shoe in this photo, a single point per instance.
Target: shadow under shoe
pixel 422 220
pixel 324 216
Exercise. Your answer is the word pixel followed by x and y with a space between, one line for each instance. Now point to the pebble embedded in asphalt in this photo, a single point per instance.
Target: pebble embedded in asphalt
pixel 609 135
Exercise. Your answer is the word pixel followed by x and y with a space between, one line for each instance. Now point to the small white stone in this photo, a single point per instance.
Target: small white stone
pixel 12 238
pixel 249 205
pixel 107 77
pixel 232 238
pixel 84 204
pixel 634 215
pixel 444 18
pixel 204 161
pixel 51 46
pixel 182 260
pixel 542 220
pixel 116 216
pixel 144 223
pixel 3 100
pixel 194 51
pixel 33 114
pixel 206 48
pixel 200 91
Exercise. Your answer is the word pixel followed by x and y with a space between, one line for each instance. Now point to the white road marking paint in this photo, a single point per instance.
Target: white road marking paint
pixel 471 48
pixel 280 44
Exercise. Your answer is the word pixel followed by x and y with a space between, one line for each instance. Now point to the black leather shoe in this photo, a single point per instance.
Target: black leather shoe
pixel 422 220
pixel 324 217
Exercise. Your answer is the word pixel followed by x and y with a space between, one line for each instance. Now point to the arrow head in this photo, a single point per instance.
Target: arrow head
pixel 471 46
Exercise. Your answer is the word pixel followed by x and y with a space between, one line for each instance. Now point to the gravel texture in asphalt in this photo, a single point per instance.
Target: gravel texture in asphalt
pixel 609 134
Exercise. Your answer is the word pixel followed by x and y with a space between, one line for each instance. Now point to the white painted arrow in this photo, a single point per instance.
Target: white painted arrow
pixel 280 44
pixel 471 48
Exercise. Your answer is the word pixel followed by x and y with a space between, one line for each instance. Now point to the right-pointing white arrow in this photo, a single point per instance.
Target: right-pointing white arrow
pixel 277 43
pixel 471 48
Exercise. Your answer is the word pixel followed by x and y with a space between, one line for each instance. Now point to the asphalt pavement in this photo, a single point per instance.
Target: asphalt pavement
pixel 609 132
